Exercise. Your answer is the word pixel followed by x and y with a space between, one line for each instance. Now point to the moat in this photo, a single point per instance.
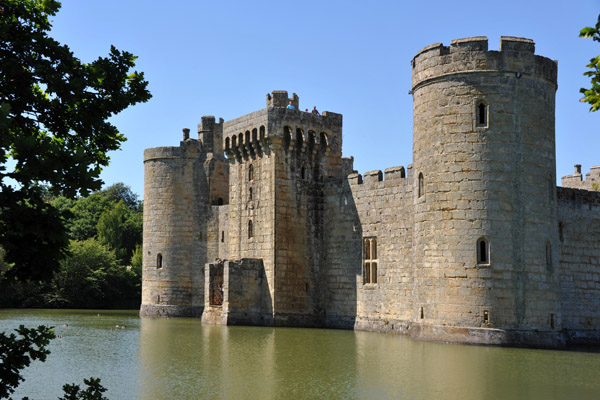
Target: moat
pixel 183 359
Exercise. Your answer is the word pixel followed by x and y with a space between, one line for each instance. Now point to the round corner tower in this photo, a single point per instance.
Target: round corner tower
pixel 485 234
pixel 172 271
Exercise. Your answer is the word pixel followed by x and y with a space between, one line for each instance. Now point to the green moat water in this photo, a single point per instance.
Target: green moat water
pixel 183 359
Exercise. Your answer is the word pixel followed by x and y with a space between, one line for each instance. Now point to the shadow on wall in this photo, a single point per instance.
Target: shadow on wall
pixel 343 255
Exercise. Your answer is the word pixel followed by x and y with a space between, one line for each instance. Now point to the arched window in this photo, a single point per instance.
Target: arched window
pixel 250 229
pixel 323 140
pixel 287 137
pixel 548 256
pixel 483 251
pixel 159 263
pixel 299 140
pixel 482 111
pixel 250 172
pixel 421 188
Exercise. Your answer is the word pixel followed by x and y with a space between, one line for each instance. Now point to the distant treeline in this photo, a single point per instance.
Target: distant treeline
pixel 104 266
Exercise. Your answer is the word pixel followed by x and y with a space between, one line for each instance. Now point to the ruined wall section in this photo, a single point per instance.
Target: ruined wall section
pixel 579 235
pixel 175 215
pixel 378 209
pixel 484 152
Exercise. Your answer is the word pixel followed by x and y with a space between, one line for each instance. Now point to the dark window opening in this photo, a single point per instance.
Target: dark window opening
pixel 548 256
pixel 220 201
pixel 250 230
pixel 421 189
pixel 303 173
pixel 159 261
pixel 222 236
pixel 422 314
pixel 552 321
pixel 482 111
pixel 486 317
pixel 250 172
pixel 250 194
pixel 483 255
pixel 560 232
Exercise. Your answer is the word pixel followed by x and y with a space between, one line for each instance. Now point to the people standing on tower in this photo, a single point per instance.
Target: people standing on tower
pixel 291 106
pixel 315 111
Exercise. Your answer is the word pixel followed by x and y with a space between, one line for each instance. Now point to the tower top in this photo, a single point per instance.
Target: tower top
pixel 516 56
pixel 279 98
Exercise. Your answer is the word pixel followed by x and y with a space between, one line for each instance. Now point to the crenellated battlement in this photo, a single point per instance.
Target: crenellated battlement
pixel 277 126
pixel 471 243
pixel 515 57
pixel 576 181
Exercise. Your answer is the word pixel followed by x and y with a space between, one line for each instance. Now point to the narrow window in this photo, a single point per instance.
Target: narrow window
pixel 303 174
pixel 560 232
pixel 483 254
pixel 552 321
pixel 287 137
pixel 250 231
pixel 370 260
pixel 482 114
pixel 548 256
pixel 250 194
pixel 250 172
pixel 159 261
pixel 421 189
pixel 421 313
pixel 222 236
pixel 486 317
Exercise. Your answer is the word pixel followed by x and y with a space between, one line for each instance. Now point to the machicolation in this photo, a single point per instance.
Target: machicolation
pixel 261 221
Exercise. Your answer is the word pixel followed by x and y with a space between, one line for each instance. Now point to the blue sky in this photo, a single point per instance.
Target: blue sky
pixel 222 57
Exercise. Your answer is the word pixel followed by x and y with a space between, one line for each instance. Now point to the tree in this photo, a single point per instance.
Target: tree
pixel 592 95
pixel 120 230
pixel 17 353
pixel 81 281
pixel 53 130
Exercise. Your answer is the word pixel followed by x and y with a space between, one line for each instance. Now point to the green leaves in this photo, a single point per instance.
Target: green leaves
pixel 54 113
pixel 592 95
pixel 17 352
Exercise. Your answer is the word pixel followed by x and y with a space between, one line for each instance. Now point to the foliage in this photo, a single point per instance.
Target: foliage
pixel 17 353
pixel 592 95
pixel 120 230
pixel 93 391
pixel 53 130
pixel 103 269
pixel 81 281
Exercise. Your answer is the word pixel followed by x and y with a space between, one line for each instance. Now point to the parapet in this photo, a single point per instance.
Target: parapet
pixel 515 55
pixel 576 181
pixel 210 134
pixel 279 98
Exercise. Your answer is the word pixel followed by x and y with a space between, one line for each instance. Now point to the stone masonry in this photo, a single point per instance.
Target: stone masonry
pixel 261 221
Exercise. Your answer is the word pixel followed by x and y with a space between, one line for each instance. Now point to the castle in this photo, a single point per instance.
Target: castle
pixel 261 221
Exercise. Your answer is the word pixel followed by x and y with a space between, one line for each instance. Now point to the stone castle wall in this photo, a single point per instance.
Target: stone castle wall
pixel 484 151
pixel 370 207
pixel 472 243
pixel 174 216
pixel 579 235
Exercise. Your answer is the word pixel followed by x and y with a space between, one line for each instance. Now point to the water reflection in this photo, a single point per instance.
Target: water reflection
pixel 182 359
